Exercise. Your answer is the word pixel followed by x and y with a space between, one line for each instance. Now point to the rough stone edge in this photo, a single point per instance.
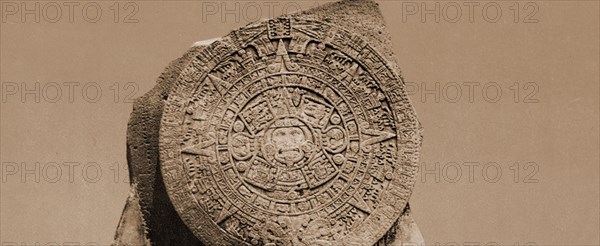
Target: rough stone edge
pixel 149 194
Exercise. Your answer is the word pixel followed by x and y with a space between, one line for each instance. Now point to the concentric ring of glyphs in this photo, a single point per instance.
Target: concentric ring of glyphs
pixel 287 133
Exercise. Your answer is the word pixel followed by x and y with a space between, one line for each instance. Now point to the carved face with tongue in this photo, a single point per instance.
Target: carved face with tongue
pixel 288 141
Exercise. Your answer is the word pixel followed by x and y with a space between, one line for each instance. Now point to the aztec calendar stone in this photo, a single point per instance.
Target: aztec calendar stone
pixel 289 132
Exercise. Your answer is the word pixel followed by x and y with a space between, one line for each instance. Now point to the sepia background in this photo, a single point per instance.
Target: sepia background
pixel 507 92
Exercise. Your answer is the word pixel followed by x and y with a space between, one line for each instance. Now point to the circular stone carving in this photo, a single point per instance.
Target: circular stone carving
pixel 289 132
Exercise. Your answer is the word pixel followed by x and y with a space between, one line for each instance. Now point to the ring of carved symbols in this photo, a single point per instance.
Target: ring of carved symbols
pixel 289 132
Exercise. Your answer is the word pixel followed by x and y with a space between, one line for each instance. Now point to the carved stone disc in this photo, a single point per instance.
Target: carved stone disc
pixel 289 132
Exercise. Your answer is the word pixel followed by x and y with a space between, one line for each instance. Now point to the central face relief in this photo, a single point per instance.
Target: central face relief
pixel 288 142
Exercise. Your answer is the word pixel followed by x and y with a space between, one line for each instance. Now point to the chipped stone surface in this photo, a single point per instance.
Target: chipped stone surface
pixel 292 131
pixel 131 230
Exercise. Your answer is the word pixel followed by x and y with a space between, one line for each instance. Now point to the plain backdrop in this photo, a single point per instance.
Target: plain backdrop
pixel 511 145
